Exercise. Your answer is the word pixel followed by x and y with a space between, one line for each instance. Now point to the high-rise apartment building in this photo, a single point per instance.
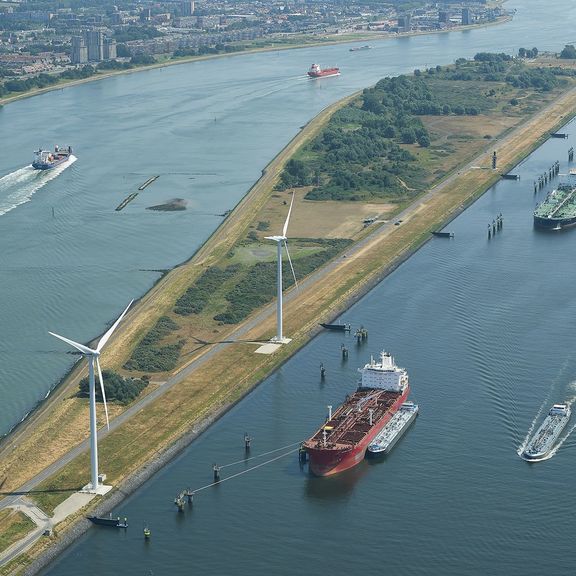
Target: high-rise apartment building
pixel 187 8
pixel 79 53
pixel 95 42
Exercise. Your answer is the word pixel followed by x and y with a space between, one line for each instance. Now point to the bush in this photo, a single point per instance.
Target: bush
pixel 148 356
pixel 116 387
pixel 195 299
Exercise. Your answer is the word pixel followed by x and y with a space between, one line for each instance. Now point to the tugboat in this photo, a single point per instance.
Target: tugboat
pixel 46 160
pixel 109 521
pixel 317 72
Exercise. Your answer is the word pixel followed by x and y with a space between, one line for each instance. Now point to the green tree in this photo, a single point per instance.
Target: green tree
pixel 568 52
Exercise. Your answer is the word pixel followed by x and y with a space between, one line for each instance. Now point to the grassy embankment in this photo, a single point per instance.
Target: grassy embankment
pixel 231 373
pixel 14 525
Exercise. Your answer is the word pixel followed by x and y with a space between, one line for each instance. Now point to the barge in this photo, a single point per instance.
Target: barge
pixel 394 430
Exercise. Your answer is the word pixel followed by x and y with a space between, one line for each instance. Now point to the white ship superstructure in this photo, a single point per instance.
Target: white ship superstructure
pixel 384 374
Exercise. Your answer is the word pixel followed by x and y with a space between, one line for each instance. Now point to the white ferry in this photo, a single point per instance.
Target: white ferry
pixel 393 431
pixel 546 436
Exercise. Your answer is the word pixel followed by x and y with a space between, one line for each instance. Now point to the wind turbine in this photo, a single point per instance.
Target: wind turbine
pixel 279 338
pixel 91 355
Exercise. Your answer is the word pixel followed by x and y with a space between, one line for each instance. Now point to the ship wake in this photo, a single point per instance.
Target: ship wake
pixel 19 186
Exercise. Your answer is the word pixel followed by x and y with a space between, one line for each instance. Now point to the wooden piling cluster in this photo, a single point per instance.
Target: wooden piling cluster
pixel 361 335
pixel 548 175
pixel 496 226
pixel 181 499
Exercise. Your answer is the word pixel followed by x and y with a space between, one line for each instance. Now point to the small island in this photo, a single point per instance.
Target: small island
pixel 173 205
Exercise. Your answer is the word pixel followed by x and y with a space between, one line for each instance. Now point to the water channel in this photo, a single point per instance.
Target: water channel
pixel 483 327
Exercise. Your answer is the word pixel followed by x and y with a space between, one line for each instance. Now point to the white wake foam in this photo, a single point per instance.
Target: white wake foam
pixel 19 186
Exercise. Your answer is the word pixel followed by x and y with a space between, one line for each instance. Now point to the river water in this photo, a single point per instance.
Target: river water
pixel 483 327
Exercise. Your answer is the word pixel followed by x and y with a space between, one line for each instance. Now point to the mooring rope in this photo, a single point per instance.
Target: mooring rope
pixel 247 470
pixel 259 455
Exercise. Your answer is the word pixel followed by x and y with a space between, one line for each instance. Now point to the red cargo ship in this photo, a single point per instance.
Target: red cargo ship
pixel 341 441
pixel 317 72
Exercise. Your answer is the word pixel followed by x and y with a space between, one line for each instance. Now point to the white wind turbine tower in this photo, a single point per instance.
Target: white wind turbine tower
pixel 279 338
pixel 92 355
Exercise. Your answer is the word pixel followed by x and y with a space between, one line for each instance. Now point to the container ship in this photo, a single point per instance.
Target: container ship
pixel 45 159
pixel 558 210
pixel 317 72
pixel 393 431
pixel 546 436
pixel 341 442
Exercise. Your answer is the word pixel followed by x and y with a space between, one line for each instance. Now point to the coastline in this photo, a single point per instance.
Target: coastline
pixel 188 59
pixel 347 299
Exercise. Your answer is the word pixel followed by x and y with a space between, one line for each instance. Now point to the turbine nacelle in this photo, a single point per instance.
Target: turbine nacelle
pixel 276 238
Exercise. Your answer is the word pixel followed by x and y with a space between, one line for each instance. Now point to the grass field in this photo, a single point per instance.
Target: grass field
pixel 14 525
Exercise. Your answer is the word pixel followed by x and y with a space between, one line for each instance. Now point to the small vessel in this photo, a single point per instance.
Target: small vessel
pixel 147 532
pixel 546 436
pixel 394 430
pixel 558 210
pixel 317 72
pixel 45 159
pixel 341 327
pixel 109 521
pixel 356 48
pixel 341 442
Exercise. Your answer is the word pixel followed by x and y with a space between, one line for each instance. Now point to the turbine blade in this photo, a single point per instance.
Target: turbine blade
pixel 106 336
pixel 103 393
pixel 81 347
pixel 285 229
pixel 290 261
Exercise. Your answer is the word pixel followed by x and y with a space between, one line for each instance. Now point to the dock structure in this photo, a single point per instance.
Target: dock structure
pixel 361 335
pixel 148 182
pixel 496 226
pixel 126 201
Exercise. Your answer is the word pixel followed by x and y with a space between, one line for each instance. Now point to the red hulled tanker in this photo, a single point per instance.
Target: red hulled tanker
pixel 341 441
pixel 317 72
